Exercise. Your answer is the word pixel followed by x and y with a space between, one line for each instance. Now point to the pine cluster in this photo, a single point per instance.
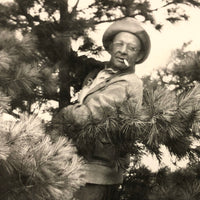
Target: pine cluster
pixel 166 118
pixel 24 76
pixel 143 184
pixel 181 184
pixel 19 72
pixel 34 167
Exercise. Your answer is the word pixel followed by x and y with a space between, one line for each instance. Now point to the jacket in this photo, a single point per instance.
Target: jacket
pixel 105 165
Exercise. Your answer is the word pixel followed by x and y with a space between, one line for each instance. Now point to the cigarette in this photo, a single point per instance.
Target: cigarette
pixel 126 63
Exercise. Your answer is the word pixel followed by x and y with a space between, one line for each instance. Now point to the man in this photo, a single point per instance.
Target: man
pixel 128 44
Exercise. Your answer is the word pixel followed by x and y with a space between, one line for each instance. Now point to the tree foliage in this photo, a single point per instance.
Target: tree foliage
pixel 142 184
pixel 166 118
pixel 24 77
pixel 183 69
pixel 32 165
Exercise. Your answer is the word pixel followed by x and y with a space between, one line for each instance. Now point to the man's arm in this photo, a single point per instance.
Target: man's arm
pixel 108 97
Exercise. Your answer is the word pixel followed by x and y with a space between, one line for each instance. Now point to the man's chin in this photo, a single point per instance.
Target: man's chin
pixel 120 66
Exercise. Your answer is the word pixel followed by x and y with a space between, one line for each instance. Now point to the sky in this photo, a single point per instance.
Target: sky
pixel 171 37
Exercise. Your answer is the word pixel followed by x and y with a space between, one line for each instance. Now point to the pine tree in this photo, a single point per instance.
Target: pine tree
pixel 184 69
pixel 33 165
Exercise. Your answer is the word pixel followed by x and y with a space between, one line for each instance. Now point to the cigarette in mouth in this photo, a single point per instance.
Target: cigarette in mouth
pixel 126 63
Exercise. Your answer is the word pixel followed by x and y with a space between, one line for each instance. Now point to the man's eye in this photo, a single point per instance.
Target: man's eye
pixel 132 48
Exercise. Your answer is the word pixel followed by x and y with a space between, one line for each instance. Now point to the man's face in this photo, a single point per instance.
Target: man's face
pixel 125 46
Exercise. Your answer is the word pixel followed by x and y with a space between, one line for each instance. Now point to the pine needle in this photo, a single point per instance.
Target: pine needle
pixel 40 168
pixel 187 101
pixel 4 149
pixel 5 60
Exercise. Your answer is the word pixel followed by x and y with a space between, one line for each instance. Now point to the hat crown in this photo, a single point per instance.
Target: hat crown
pixel 130 25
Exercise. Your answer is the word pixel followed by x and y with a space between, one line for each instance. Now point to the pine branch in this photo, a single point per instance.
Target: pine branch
pixel 36 167
pixel 163 6
pixel 188 101
pixel 5 60
pixel 23 11
pixel 160 121
pixel 4 150
pixel 4 102
pixel 23 80
pixel 74 10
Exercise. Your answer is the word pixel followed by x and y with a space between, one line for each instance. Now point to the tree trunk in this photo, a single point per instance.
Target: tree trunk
pixel 64 64
pixel 64 78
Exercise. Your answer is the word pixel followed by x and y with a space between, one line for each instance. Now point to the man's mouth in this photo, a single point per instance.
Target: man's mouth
pixel 126 63
pixel 120 59
pixel 123 61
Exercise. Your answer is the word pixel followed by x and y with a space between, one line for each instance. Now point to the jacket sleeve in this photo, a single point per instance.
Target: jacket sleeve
pixel 109 96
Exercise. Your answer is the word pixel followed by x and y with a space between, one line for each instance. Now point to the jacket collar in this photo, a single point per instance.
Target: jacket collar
pixel 113 78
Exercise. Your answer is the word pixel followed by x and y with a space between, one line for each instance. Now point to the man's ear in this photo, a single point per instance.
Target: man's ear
pixel 140 56
pixel 110 48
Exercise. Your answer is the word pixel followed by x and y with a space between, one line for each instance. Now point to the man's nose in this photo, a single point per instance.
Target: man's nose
pixel 123 48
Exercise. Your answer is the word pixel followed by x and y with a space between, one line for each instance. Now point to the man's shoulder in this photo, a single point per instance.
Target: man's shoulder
pixel 131 75
pixel 92 75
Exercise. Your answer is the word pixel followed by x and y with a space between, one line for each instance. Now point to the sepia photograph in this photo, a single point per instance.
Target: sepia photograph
pixel 99 100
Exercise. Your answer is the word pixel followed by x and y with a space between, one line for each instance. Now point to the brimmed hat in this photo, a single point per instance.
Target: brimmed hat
pixel 130 25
